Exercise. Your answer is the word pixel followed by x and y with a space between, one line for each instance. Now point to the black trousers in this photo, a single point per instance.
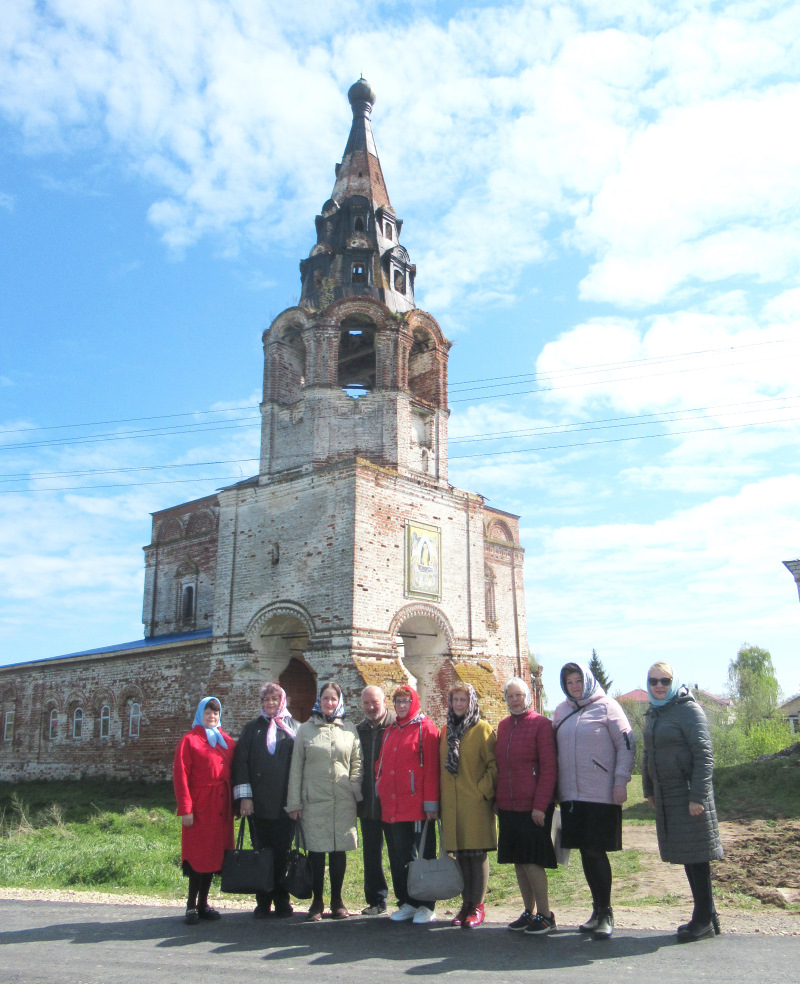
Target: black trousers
pixel 403 841
pixel 278 835
pixel 375 887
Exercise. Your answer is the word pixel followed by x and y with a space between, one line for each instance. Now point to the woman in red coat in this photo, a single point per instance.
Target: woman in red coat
pixel 526 782
pixel 201 776
pixel 408 788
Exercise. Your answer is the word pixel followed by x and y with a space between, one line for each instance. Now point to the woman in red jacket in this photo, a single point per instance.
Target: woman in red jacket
pixel 526 782
pixel 408 788
pixel 201 776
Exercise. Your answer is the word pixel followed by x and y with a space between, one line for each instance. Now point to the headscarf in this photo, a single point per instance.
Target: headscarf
pixel 456 726
pixel 673 688
pixel 591 688
pixel 523 686
pixel 281 719
pixel 415 709
pixel 213 735
pixel 317 708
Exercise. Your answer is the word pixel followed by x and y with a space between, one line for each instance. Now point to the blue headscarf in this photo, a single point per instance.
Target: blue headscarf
pixel 214 735
pixel 674 687
pixel 317 708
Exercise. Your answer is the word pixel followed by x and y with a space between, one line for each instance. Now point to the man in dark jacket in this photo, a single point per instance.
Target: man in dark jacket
pixel 377 718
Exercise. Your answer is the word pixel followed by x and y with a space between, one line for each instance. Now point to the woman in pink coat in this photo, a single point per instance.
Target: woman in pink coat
pixel 595 759
pixel 201 776
pixel 526 780
pixel 408 788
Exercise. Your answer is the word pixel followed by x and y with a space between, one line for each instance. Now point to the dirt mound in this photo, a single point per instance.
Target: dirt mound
pixel 762 859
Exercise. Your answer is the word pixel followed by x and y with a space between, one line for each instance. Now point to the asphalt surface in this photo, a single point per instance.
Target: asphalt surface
pixel 75 943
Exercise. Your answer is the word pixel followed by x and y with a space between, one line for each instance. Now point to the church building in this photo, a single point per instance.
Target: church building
pixel 349 556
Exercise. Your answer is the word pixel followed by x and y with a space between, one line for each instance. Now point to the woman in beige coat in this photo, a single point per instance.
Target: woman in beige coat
pixel 324 788
pixel 468 780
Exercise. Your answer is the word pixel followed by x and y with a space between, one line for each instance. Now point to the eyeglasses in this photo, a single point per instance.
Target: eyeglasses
pixel 402 700
pixel 664 681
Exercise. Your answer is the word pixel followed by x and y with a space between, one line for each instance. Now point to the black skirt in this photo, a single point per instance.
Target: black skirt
pixel 592 826
pixel 521 841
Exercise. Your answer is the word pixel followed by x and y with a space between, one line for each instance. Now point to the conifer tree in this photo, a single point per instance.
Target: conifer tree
pixel 599 672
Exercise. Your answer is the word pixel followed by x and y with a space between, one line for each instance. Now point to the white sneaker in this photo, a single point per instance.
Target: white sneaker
pixel 424 915
pixel 404 913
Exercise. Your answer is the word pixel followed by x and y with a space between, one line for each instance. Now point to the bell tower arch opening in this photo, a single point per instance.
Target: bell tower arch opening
pixel 423 645
pixel 357 363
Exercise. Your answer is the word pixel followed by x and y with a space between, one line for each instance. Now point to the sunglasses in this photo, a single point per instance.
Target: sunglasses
pixel 664 681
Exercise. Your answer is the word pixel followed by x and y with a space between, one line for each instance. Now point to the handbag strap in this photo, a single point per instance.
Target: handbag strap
pixel 299 839
pixel 440 853
pixel 240 836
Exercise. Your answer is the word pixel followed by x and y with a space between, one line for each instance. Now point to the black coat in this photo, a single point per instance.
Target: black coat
pixel 371 742
pixel 676 770
pixel 267 775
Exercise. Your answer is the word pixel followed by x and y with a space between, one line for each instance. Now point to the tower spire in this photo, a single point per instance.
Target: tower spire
pixel 358 250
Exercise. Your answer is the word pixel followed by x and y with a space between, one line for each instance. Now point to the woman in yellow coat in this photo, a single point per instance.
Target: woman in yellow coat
pixel 468 779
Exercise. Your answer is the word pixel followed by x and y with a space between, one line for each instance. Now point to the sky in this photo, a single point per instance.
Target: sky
pixel 602 203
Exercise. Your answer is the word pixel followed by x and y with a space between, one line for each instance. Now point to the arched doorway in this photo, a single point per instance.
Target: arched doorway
pixel 300 685
pixel 282 641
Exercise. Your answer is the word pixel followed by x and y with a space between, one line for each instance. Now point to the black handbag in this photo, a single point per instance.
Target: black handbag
pixel 299 879
pixel 247 872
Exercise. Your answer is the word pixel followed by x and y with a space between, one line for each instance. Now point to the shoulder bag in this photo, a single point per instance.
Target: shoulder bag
pixel 247 872
pixel 434 878
pixel 299 880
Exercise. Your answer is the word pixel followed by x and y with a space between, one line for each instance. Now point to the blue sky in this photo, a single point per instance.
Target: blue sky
pixel 602 202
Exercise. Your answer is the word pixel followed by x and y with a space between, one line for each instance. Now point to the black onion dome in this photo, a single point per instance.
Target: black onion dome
pixel 361 91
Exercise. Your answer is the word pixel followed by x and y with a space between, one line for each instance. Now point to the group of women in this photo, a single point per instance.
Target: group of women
pixel 492 791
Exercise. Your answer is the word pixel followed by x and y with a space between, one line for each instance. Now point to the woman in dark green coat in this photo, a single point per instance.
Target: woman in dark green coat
pixel 676 780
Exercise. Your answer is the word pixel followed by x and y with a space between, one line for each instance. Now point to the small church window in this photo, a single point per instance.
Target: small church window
pixel 358 225
pixel 387 229
pixel 52 730
pixel 8 731
pixel 187 603
pixel 105 721
pixel 359 273
pixel 399 282
pixel 135 720
pixel 77 722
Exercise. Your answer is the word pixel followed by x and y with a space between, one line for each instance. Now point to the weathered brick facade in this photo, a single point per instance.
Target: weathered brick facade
pixel 349 556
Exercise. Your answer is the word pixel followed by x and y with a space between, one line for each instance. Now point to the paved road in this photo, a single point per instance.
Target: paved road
pixel 76 943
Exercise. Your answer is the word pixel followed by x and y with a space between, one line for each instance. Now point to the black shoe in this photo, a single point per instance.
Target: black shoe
pixel 522 922
pixel 692 932
pixel 191 918
pixel 262 912
pixel 605 924
pixel 209 914
pixel 591 923
pixel 540 924
pixel 283 910
pixel 715 923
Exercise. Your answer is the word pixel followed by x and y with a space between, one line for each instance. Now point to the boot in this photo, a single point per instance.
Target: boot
pixel 591 923
pixel 316 910
pixel 338 910
pixel 605 924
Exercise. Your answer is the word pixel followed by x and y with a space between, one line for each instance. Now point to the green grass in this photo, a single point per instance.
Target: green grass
pixel 122 837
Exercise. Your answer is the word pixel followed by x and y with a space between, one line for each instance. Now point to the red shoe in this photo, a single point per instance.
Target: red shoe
pixel 475 917
pixel 461 915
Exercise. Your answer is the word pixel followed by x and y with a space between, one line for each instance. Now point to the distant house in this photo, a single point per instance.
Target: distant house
pixel 791 709
pixel 714 706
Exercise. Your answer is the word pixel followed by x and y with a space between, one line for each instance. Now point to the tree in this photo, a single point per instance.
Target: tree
pixel 753 686
pixel 599 672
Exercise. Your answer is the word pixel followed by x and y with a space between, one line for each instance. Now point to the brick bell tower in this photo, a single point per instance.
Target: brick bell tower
pixel 349 556
pixel 356 370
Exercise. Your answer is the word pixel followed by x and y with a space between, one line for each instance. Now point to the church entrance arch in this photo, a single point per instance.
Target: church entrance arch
pixel 423 646
pixel 281 639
